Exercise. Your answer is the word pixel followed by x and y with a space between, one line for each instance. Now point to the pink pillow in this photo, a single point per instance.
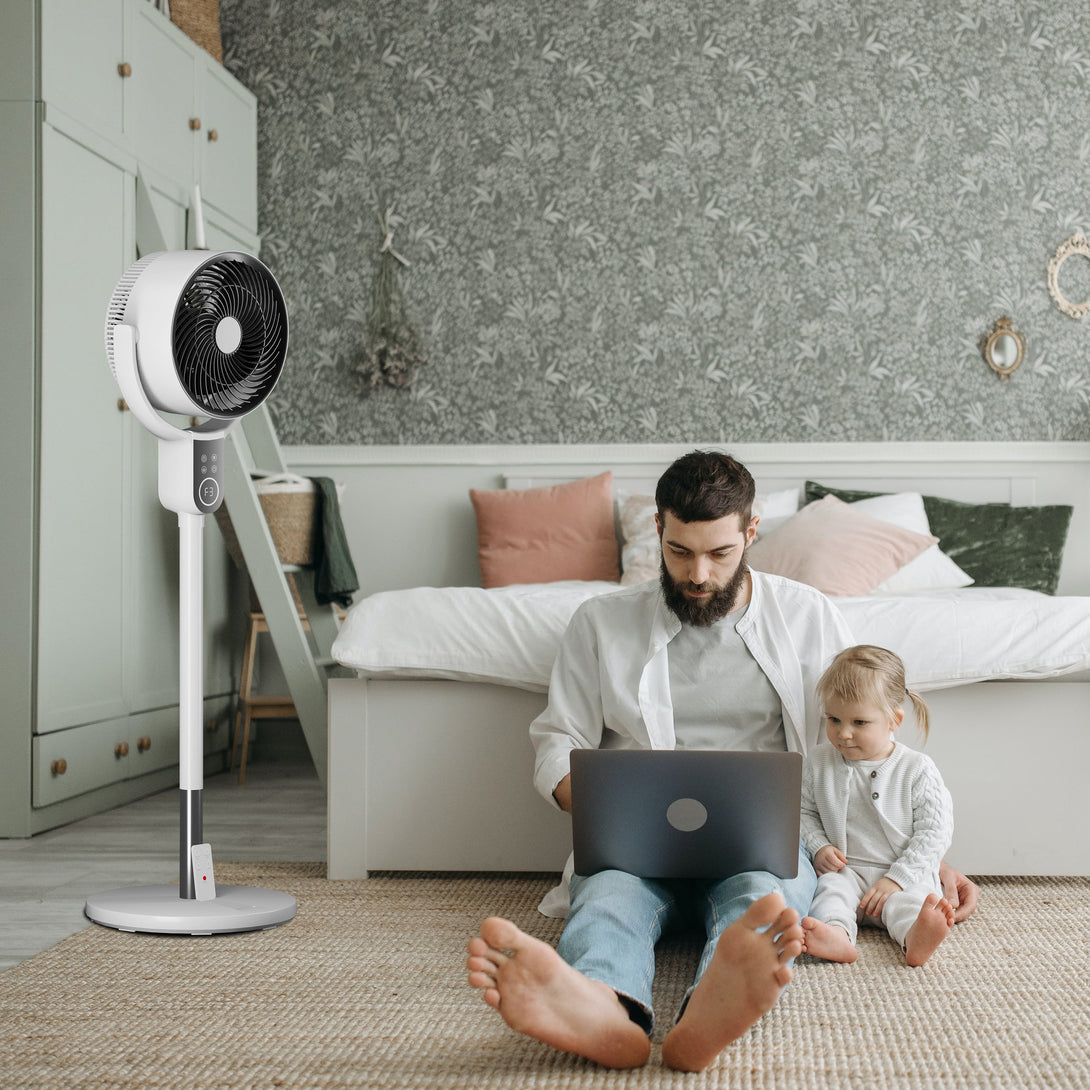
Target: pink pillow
pixel 837 549
pixel 543 535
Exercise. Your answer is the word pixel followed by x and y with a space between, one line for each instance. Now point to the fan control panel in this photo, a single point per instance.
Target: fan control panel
pixel 207 474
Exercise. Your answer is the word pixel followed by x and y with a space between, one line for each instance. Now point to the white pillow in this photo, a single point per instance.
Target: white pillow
pixel 640 549
pixel 932 569
pixel 775 508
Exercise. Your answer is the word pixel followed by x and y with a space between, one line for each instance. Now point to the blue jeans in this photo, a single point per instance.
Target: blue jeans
pixel 616 919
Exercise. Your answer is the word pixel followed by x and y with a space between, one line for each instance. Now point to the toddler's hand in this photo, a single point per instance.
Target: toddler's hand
pixel 873 901
pixel 828 859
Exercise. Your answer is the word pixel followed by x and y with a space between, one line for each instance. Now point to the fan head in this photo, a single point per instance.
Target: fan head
pixel 211 330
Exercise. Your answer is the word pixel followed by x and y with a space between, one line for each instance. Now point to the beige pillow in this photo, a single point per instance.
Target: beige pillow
pixel 837 549
pixel 640 540
pixel 544 535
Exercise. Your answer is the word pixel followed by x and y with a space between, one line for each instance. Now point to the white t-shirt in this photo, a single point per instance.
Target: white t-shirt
pixel 721 697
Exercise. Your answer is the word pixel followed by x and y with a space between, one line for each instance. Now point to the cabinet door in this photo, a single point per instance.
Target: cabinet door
pixel 151 591
pixel 86 245
pixel 82 46
pixel 161 212
pixel 160 97
pixel 151 620
pixel 228 143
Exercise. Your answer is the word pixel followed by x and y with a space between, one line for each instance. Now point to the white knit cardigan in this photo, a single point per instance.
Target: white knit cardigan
pixel 913 805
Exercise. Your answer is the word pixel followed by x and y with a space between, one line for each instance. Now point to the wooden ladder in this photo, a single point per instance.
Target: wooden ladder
pixel 252 448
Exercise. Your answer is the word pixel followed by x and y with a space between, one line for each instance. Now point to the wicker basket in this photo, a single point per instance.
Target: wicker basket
pixel 199 20
pixel 290 504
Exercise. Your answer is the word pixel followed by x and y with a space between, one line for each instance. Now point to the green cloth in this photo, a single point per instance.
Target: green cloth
pixel 997 544
pixel 335 577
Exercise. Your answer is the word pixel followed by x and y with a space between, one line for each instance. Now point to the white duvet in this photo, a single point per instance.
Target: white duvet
pixel 510 635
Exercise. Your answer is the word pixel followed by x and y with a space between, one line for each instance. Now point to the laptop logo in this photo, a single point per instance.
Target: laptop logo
pixel 687 815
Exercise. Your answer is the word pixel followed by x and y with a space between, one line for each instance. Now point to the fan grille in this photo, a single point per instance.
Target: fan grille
pixel 230 383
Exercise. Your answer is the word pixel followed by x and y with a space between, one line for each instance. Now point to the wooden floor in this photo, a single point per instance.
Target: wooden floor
pixel 278 815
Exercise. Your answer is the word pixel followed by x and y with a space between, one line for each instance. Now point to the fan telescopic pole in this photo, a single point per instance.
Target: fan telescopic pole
pixel 191 693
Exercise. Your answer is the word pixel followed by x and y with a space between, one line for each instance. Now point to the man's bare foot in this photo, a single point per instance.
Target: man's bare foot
pixel 538 994
pixel 931 927
pixel 747 973
pixel 829 942
pixel 962 893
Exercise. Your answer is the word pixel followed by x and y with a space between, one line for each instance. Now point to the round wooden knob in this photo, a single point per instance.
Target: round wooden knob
pixel 194 123
pixel 124 70
pixel 213 136
pixel 121 749
pixel 59 768
pixel 122 405
pixel 143 744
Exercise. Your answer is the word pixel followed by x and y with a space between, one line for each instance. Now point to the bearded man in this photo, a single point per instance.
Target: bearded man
pixel 713 656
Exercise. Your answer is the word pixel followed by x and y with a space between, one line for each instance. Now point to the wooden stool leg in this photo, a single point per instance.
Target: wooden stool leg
pixel 246 719
pixel 238 731
pixel 245 692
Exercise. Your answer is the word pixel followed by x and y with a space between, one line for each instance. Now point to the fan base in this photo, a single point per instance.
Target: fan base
pixel 159 910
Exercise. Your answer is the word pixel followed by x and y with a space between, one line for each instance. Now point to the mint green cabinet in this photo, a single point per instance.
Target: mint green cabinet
pixel 122 71
pixel 100 103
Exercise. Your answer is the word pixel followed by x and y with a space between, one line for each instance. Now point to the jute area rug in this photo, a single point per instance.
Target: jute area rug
pixel 366 988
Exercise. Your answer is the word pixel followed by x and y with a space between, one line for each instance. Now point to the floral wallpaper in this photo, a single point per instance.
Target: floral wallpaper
pixel 675 220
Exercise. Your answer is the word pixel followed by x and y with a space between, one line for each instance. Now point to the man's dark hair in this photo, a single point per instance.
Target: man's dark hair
pixel 705 485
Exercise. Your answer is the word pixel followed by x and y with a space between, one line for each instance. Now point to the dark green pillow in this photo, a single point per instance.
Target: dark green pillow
pixel 997 544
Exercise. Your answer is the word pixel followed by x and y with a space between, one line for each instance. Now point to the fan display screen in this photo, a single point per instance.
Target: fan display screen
pixel 230 335
pixel 208 474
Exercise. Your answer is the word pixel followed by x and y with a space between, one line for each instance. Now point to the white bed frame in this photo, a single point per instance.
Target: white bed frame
pixel 435 774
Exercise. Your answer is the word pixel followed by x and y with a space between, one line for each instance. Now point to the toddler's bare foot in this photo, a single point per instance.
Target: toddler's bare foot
pixel 931 927
pixel 829 942
pixel 538 994
pixel 743 982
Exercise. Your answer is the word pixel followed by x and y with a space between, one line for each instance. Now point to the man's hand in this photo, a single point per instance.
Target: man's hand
pixel 873 901
pixel 959 891
pixel 562 794
pixel 828 859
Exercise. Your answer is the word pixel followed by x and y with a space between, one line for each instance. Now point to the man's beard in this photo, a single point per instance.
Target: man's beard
pixel 708 611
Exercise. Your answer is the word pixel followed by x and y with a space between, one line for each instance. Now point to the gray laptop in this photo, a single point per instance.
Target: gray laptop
pixel 685 813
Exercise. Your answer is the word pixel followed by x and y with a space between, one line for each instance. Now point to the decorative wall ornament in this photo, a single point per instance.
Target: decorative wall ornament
pixel 1076 244
pixel 1004 348
pixel 394 350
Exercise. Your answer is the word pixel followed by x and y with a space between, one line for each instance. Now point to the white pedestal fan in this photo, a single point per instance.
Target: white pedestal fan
pixel 203 334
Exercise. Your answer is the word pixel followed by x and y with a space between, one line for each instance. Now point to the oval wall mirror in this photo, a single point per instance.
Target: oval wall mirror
pixel 1004 348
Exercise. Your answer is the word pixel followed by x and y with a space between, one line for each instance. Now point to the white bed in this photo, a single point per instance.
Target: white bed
pixel 429 758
